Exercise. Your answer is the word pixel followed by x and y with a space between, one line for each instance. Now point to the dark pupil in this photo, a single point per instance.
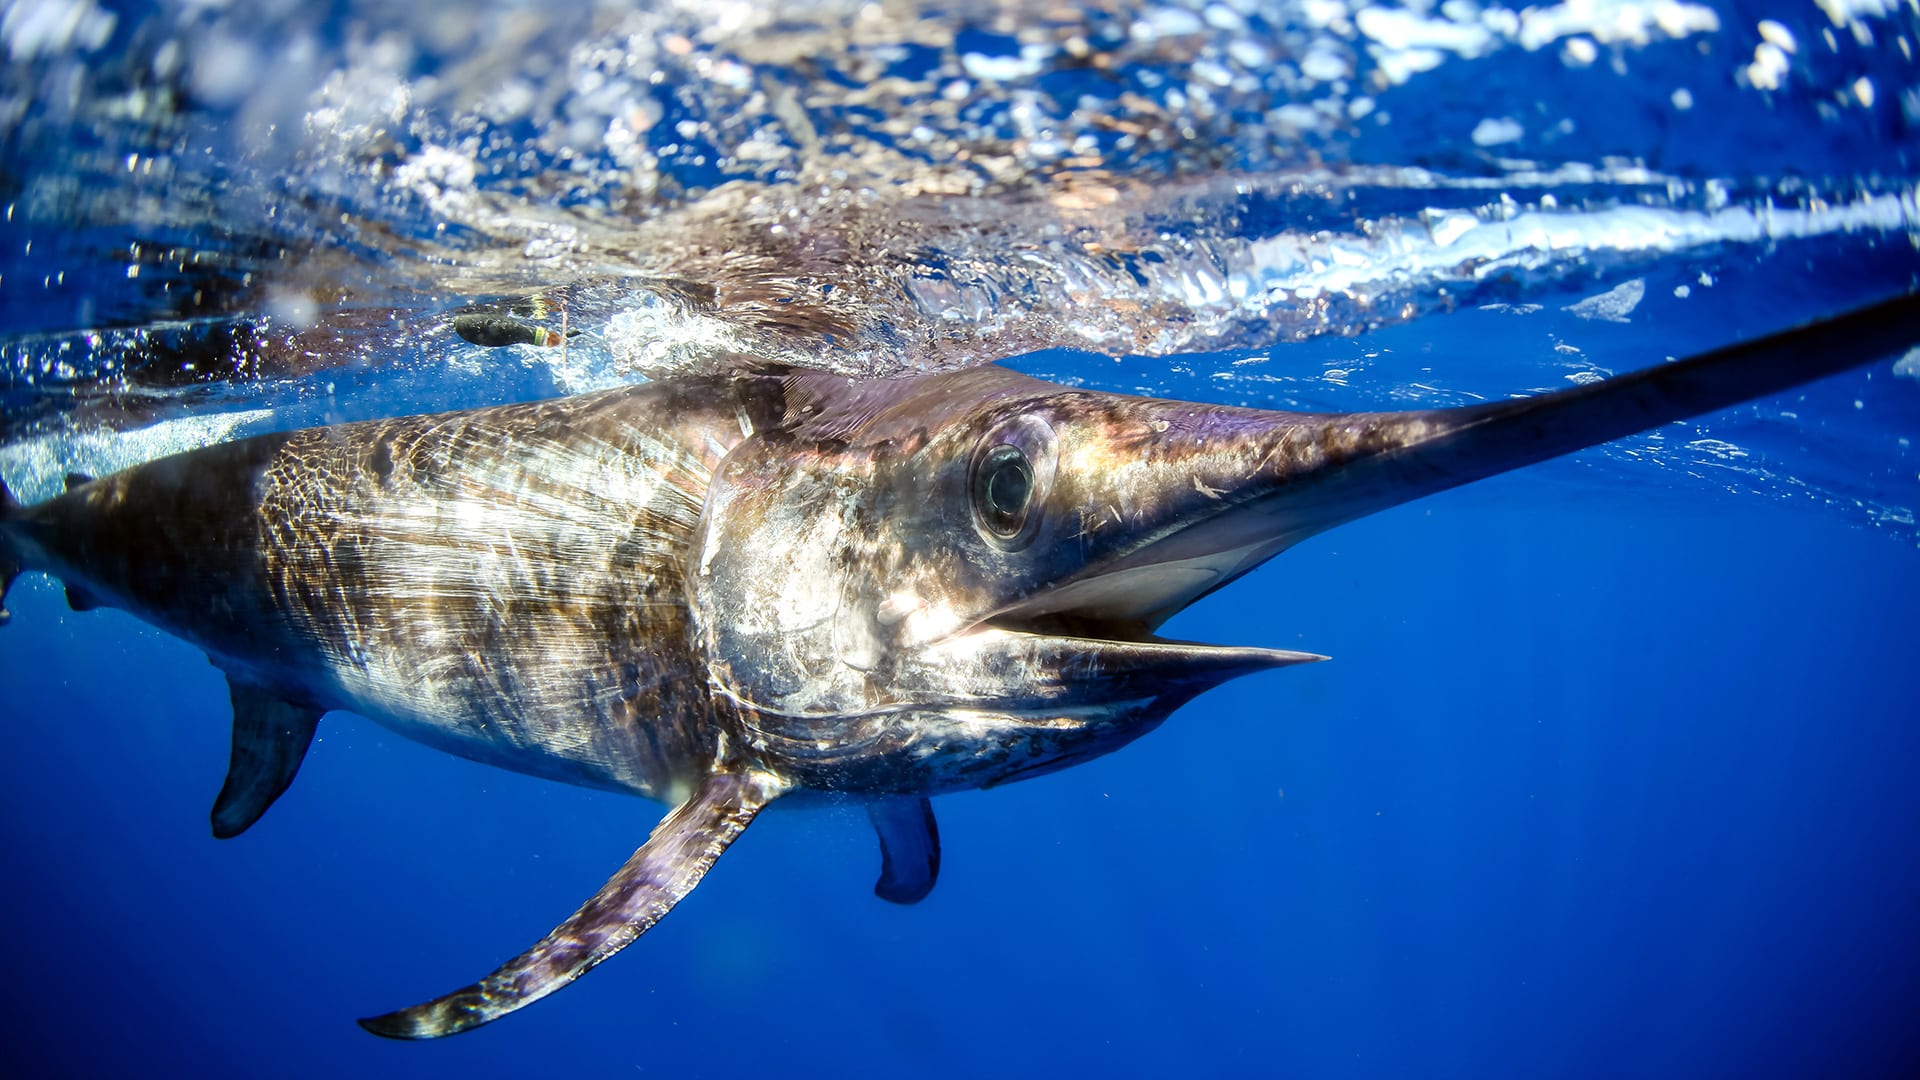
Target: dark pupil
pixel 1006 483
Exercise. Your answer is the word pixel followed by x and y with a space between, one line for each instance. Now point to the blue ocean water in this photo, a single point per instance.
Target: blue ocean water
pixel 1610 772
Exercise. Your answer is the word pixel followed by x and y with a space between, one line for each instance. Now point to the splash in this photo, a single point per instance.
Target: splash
pixel 222 206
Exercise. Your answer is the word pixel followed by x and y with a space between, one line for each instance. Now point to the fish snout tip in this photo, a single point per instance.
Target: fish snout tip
pixel 1290 657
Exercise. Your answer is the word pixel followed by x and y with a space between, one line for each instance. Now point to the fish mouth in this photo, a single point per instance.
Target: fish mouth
pixel 1130 599
pixel 1111 662
pixel 1113 607
pixel 1130 594
pixel 1113 614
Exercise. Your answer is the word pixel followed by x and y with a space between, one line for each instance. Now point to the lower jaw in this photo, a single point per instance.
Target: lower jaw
pixel 964 749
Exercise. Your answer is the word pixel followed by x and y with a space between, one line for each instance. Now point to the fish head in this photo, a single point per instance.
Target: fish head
pixel 954 580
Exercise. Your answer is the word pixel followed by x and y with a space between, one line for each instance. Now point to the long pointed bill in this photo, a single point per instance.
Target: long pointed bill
pixel 1244 485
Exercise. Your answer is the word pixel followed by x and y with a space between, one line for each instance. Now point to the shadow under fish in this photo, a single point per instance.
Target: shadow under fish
pixel 723 591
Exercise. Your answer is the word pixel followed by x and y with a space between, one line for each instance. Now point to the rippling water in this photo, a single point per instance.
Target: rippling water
pixel 222 218
pixel 250 210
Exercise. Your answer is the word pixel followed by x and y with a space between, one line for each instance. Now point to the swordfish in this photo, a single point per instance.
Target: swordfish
pixel 723 591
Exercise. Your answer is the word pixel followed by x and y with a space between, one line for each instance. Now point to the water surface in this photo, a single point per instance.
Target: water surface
pixel 1609 773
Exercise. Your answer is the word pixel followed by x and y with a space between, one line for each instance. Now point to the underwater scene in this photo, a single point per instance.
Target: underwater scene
pixel 1601 764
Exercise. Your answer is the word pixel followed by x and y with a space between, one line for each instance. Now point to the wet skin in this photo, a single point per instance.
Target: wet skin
pixel 724 591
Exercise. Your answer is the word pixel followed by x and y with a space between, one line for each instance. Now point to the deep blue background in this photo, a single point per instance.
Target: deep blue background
pixel 1604 779
pixel 1612 773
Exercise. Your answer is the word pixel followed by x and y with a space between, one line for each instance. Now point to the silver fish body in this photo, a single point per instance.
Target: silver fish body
pixel 506 584
pixel 722 592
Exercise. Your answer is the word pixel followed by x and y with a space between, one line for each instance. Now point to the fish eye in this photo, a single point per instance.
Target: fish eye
pixel 1002 490
pixel 1012 470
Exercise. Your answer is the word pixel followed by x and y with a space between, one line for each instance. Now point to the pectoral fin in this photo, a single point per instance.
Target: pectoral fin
pixel 909 849
pixel 270 740
pixel 667 867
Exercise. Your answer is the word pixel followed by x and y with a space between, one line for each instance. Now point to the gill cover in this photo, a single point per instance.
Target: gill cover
pixel 850 565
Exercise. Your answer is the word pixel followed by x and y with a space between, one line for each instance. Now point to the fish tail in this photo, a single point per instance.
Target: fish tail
pixel 10 565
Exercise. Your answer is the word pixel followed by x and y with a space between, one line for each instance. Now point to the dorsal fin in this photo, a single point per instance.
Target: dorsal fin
pixel 909 849
pixel 270 739
pixel 79 599
pixel 75 479
pixel 667 867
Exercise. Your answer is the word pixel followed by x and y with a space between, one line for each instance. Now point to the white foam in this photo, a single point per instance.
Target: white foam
pixel 36 468
pixel 1494 131
pixel 1778 35
pixel 1769 67
pixel 1614 305
pixel 1453 244
pixel 1908 365
pixel 1000 68
pixel 37 28
pixel 655 338
pixel 1850 12
pixel 1404 42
